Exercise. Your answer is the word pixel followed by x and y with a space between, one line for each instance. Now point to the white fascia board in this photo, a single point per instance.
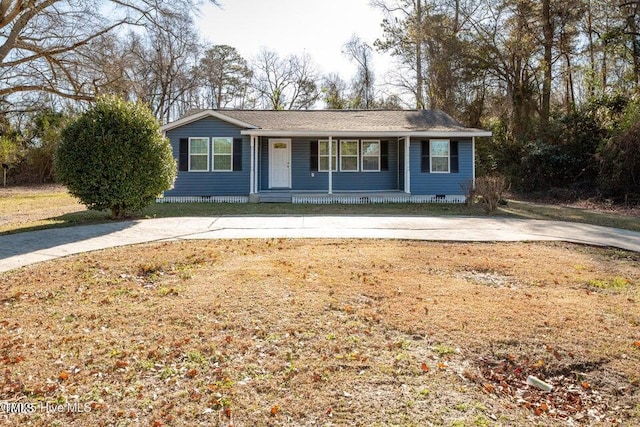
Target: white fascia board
pixel 366 134
pixel 206 113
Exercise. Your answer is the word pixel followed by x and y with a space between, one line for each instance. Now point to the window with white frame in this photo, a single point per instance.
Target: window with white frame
pixel 370 155
pixel 349 155
pixel 439 155
pixel 198 154
pixel 323 155
pixel 222 154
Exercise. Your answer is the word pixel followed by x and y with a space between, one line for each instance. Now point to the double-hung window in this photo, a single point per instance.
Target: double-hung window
pixel 370 155
pixel 349 155
pixel 439 155
pixel 323 155
pixel 222 154
pixel 198 154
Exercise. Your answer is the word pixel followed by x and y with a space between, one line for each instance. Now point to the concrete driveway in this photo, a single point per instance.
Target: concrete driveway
pixel 21 249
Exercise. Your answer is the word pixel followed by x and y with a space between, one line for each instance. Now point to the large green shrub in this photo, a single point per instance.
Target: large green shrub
pixel 114 157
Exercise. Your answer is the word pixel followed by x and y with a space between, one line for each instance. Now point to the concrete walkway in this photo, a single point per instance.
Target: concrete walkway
pixel 21 249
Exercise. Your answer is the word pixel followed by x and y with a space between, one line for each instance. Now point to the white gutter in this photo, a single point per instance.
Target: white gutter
pixel 366 134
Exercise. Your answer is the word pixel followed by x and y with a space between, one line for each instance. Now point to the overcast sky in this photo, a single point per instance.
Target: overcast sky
pixel 318 27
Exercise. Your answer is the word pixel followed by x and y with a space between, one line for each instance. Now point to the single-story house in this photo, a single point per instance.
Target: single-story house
pixel 321 156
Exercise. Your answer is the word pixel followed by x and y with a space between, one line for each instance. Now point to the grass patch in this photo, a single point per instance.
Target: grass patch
pixel 417 343
pixel 529 210
pixel 443 350
pixel 616 283
pixel 32 209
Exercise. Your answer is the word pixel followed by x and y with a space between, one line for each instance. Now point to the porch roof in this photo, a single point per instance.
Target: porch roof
pixel 339 123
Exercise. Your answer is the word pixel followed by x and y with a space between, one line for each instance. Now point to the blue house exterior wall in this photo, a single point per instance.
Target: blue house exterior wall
pixel 237 183
pixel 304 179
pixel 441 183
pixel 210 183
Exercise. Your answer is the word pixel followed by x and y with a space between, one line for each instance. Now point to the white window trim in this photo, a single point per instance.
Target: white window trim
pixel 208 153
pixel 357 155
pixel 334 154
pixel 431 156
pixel 213 154
pixel 377 141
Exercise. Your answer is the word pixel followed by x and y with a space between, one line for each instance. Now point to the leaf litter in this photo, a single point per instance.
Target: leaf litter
pixel 322 332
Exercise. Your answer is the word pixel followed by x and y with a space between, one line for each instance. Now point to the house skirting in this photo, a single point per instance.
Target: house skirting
pixel 203 199
pixel 325 199
pixel 362 199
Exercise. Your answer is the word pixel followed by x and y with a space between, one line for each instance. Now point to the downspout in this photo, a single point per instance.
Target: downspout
pixel 331 165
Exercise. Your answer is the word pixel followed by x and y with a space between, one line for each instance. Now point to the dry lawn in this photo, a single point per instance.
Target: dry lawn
pixel 313 332
pixel 35 206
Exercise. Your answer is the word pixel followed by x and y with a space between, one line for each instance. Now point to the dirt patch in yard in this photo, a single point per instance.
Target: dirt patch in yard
pixel 323 332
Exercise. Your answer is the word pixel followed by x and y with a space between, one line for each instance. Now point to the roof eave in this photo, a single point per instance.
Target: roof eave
pixel 468 133
pixel 203 114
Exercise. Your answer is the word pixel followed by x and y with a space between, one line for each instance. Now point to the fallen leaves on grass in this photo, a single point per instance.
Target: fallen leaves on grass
pixel 568 399
pixel 186 334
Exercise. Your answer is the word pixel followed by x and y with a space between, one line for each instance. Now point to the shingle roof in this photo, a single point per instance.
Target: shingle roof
pixel 347 120
pixel 291 122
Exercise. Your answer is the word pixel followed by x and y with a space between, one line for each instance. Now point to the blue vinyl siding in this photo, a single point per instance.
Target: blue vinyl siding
pixel 441 183
pixel 303 179
pixel 237 183
pixel 210 183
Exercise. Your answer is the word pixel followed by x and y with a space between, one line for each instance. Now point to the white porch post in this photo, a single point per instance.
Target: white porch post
pixel 407 165
pixel 252 171
pixel 473 160
pixel 256 175
pixel 331 165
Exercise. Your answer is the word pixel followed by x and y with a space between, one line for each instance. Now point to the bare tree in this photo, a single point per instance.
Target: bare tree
pixel 424 36
pixel 171 55
pixel 334 92
pixel 403 38
pixel 224 75
pixel 360 52
pixel 42 39
pixel 285 83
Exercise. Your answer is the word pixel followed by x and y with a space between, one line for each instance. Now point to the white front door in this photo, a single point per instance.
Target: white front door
pixel 279 163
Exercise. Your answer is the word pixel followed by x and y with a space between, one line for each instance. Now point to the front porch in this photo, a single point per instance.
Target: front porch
pixel 299 165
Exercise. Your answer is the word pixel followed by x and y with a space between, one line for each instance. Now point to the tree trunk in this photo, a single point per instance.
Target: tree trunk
pixel 592 56
pixel 633 27
pixel 571 92
pixel 418 42
pixel 456 18
pixel 547 29
pixel 604 68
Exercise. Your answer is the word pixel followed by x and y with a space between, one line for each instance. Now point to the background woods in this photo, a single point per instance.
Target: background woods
pixel 556 81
